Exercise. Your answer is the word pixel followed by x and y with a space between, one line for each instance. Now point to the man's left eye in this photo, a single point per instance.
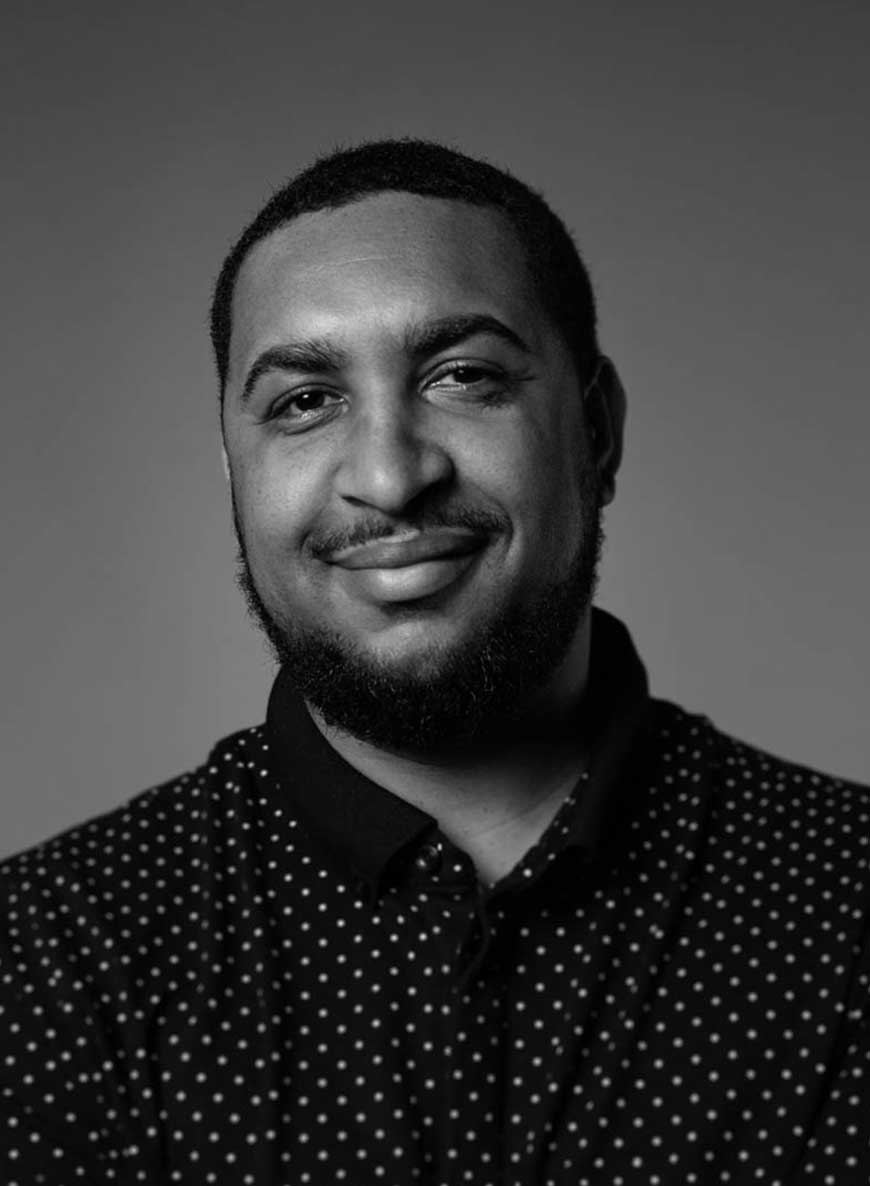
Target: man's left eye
pixel 463 375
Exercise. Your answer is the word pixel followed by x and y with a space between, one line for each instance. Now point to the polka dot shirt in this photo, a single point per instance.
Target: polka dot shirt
pixel 272 971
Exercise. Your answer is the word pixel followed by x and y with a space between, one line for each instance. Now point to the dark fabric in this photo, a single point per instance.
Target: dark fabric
pixel 363 827
pixel 270 970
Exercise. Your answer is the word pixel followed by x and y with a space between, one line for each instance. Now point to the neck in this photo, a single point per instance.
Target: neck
pixel 493 800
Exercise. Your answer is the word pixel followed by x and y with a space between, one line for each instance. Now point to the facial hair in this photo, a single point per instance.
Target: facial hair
pixel 455 697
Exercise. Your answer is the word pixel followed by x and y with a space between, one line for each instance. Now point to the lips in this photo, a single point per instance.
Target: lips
pixel 402 551
pixel 407 567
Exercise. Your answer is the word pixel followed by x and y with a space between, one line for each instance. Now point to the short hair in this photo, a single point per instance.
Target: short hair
pixel 431 170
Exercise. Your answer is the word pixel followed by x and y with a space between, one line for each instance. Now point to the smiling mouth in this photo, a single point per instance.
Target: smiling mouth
pixel 409 567
pixel 402 551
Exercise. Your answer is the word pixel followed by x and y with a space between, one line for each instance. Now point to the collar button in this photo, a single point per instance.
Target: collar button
pixel 428 859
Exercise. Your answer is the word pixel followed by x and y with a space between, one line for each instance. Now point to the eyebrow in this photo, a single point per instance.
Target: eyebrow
pixel 420 341
pixel 444 332
pixel 312 354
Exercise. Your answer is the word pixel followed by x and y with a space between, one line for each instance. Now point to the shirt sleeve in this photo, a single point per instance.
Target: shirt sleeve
pixel 71 1105
pixel 841 1132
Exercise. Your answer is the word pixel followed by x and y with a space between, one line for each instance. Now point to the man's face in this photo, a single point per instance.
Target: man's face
pixel 411 474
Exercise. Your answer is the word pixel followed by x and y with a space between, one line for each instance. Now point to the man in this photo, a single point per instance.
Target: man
pixel 469 907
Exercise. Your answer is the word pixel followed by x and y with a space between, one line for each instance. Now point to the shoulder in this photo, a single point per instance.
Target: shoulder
pixel 770 817
pixel 156 837
pixel 99 927
pixel 120 907
pixel 740 766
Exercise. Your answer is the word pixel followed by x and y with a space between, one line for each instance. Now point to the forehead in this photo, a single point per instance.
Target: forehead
pixel 392 256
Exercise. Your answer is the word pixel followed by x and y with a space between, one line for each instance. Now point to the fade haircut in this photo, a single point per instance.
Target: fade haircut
pixel 431 170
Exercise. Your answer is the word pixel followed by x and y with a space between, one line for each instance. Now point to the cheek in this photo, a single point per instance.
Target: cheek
pixel 273 539
pixel 559 510
pixel 273 505
pixel 536 475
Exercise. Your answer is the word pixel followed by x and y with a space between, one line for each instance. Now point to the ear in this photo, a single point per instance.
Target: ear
pixel 604 407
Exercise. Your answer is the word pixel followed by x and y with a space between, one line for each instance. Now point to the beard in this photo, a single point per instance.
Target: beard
pixel 451 697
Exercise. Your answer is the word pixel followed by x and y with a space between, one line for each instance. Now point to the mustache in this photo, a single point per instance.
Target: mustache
pixel 368 530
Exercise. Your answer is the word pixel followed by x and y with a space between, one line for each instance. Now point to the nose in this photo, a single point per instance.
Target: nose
pixel 390 459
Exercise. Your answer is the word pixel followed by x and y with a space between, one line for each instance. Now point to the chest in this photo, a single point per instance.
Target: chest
pixel 635 1032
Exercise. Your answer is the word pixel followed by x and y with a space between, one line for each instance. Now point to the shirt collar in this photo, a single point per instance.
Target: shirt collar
pixel 616 717
pixel 362 826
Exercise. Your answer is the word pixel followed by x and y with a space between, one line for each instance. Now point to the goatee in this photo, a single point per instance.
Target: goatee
pixel 454 696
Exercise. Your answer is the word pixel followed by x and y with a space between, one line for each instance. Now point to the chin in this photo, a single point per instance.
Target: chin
pixel 420 678
pixel 408 646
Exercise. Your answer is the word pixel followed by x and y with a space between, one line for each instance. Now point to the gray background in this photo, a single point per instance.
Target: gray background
pixel 712 161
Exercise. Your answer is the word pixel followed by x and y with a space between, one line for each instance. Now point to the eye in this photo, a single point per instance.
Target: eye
pixel 463 374
pixel 470 380
pixel 301 408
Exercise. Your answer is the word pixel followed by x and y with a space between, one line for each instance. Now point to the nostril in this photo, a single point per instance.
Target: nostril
pixel 391 471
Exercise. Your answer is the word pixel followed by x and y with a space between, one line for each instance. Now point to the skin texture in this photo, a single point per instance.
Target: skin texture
pixel 481 441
